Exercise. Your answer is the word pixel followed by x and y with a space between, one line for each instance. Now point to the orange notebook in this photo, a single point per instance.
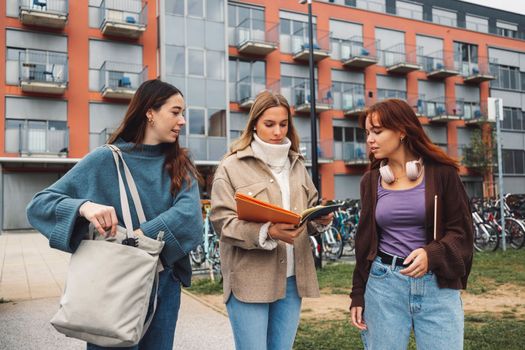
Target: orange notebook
pixel 251 209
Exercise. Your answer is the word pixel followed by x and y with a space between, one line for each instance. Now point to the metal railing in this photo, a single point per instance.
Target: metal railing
pixel 104 135
pixel 131 12
pixel 371 5
pixel 42 66
pixel 358 46
pixel 118 75
pixel 354 152
pixel 353 97
pixel 444 20
pixel 477 66
pixel 301 94
pixel 438 60
pixel 248 88
pixel 300 40
pixel 383 94
pixel 401 54
pixel 59 7
pixel 38 137
pixel 325 149
pixel 256 31
pixel 474 111
pixel 409 13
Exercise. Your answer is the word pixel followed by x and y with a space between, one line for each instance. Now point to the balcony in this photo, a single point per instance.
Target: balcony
pixel 301 98
pixel 39 138
pixel 475 113
pixel 43 13
pixel 354 153
pixel 252 38
pixel 42 72
pixel 353 101
pixel 121 80
pixel 475 71
pixel 247 89
pixel 104 136
pixel 123 18
pixel 401 59
pixel 300 47
pixel 438 65
pixel 205 148
pixel 325 150
pixel 358 55
pixel 439 109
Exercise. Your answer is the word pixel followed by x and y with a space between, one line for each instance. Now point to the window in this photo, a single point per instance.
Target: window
pixel 383 94
pixel 215 65
pixel 175 60
pixel 294 34
pixel 507 29
pixel 444 17
pixel 196 62
pixel 215 10
pixel 348 96
pixel 349 143
pixel 466 58
pixel 479 24
pixel 195 8
pixel 513 162
pixel 513 119
pixel 196 121
pixel 506 77
pixel 42 136
pixel 246 78
pixel 409 10
pixel 175 7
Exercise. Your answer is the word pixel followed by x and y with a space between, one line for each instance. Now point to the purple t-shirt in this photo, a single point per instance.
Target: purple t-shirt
pixel 400 216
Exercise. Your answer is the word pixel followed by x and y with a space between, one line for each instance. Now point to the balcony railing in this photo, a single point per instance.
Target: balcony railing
pixel 205 148
pixel 439 64
pixel 300 46
pixel 354 153
pixel 475 71
pixel 474 113
pixel 247 89
pixel 121 80
pixel 358 52
pixel 252 37
pixel 401 58
pixel 371 5
pixel 45 13
pixel 301 98
pixel 38 139
pixel 104 136
pixel 354 101
pixel 124 18
pixel 440 109
pixel 42 71
pixel 383 94
pixel 325 150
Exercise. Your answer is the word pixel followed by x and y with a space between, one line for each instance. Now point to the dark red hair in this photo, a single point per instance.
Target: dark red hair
pixel 397 115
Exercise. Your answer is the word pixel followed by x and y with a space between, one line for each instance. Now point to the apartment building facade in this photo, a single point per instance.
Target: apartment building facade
pixel 72 66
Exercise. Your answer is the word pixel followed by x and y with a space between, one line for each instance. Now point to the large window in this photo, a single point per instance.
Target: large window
pixel 507 29
pixel 210 9
pixel 35 136
pixel 513 119
pixel 479 24
pixel 507 77
pixel 246 77
pixel 349 134
pixel 444 17
pixel 294 34
pixel 513 161
pixel 409 10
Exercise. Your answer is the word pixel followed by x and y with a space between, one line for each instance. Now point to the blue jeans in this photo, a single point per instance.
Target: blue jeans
pixel 161 331
pixel 266 326
pixel 395 303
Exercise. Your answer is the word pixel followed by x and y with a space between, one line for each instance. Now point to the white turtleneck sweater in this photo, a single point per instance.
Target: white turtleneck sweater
pixel 276 157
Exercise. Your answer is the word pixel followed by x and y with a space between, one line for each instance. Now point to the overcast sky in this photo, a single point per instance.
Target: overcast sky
pixel 517 6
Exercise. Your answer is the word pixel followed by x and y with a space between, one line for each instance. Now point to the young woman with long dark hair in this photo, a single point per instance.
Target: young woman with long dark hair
pixel 414 239
pixel 167 186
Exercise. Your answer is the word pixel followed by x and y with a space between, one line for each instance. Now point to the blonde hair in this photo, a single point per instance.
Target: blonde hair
pixel 265 100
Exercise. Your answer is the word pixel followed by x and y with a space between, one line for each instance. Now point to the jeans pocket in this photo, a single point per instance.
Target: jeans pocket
pixel 378 270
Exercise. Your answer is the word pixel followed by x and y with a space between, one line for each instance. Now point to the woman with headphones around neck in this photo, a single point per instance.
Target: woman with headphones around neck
pixel 414 240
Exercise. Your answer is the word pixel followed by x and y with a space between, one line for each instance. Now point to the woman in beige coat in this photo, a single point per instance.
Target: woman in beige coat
pixel 267 267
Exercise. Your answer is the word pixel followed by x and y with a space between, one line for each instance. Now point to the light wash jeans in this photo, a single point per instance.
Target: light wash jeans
pixel 266 326
pixel 394 304
pixel 161 331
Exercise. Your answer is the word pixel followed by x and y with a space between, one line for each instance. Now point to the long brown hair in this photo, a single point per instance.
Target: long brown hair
pixel 152 94
pixel 397 115
pixel 265 100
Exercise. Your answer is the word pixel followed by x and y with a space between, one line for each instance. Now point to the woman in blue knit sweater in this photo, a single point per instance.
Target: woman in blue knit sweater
pixel 167 186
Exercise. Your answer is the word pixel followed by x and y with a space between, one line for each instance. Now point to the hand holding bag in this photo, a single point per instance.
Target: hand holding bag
pixel 109 284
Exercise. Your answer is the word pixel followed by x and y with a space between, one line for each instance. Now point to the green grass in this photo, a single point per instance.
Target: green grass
pixel 482 332
pixel 336 278
pixel 493 269
pixel 205 286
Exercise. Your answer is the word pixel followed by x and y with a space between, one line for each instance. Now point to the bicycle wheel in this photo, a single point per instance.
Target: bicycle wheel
pixel 197 255
pixel 515 231
pixel 332 243
pixel 486 238
pixel 351 229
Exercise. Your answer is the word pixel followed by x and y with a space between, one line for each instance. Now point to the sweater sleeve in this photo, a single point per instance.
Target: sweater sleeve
pixel 54 211
pixel 182 224
pixel 451 255
pixel 362 243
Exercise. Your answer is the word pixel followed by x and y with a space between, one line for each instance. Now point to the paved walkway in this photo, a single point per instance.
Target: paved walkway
pixel 32 277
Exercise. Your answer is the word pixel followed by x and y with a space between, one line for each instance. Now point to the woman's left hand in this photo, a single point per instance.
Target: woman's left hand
pixel 324 220
pixel 418 264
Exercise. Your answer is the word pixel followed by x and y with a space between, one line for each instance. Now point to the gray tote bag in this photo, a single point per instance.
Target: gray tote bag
pixel 109 284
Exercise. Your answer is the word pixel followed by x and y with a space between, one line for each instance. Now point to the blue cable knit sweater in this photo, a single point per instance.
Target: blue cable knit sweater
pixel 55 210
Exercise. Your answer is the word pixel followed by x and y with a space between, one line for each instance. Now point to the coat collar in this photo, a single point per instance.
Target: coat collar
pixel 248 152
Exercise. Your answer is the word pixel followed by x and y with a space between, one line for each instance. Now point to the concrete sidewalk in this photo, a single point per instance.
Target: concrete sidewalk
pixel 32 277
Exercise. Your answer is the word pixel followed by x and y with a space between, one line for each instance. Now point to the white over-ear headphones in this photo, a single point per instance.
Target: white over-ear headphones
pixel 414 168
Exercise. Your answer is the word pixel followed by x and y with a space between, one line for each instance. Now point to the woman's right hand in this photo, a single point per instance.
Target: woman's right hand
pixel 284 232
pixel 357 317
pixel 103 217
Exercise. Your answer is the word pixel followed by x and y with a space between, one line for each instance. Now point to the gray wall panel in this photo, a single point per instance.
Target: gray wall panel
pixel 100 51
pixel 175 25
pixel 431 89
pixel 345 30
pixel 11 9
pixel 347 186
pixel 36 41
pixel 438 134
pixel 504 57
pixel 468 93
pixel 430 45
pixel 345 122
pixel 19 189
pixel 35 108
pixel 515 184
pixel 390 82
pixel 510 98
pixel 348 77
pixel 513 140
pixel 388 38
pixel 464 135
